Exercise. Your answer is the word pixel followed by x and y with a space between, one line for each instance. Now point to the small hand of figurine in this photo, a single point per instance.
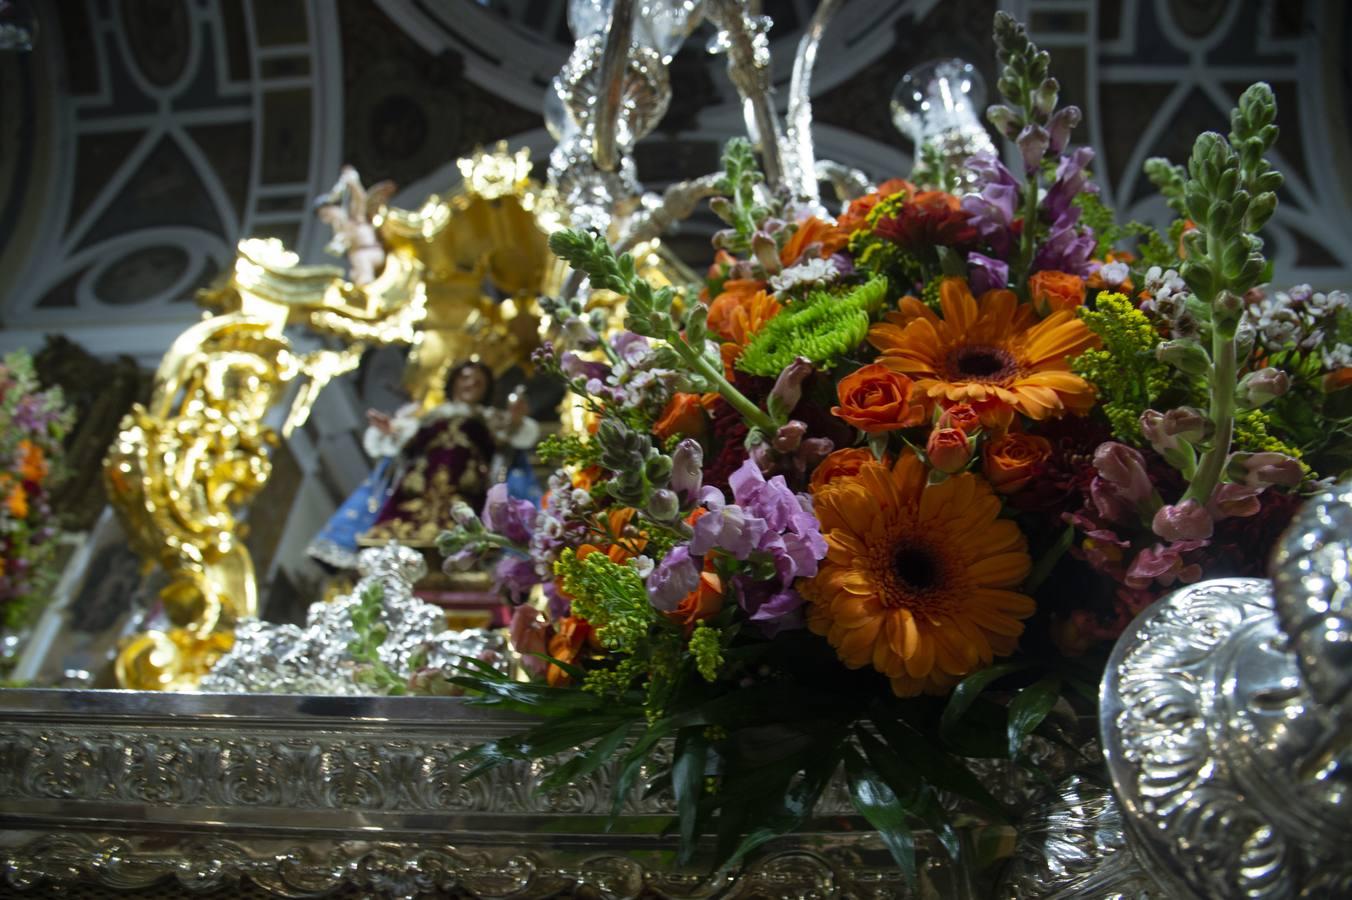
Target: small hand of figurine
pixel 380 421
pixel 517 408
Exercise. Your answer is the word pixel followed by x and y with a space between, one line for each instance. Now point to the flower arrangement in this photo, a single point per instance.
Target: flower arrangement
pixel 32 424
pixel 881 492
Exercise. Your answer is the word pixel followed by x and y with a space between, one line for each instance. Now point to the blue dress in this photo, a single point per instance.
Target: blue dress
pixel 336 543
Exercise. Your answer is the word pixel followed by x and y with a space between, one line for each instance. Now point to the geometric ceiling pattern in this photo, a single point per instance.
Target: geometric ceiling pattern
pixel 1157 72
pixel 181 126
pixel 144 137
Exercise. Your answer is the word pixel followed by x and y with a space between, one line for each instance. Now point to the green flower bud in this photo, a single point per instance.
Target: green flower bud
pixel 1186 356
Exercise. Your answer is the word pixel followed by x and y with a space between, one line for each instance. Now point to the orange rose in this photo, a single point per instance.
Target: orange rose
pixel 684 415
pixel 962 417
pixel 566 645
pixel 1054 291
pixel 1011 461
pixel 876 399
pixel 842 464
pixel 704 602
pixel 949 450
pixel 750 316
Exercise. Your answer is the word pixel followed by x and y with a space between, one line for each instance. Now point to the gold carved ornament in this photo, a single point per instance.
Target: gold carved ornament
pixel 184 468
pixel 460 279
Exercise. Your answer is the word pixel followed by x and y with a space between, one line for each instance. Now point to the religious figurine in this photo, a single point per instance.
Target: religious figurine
pixel 350 210
pixel 454 451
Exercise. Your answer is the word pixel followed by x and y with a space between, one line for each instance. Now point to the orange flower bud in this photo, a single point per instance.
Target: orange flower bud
pixel 949 450
pixel 961 416
pixel 1054 291
pixel 1011 461
pixel 876 399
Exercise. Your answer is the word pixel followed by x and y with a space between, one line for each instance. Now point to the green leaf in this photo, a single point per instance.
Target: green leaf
pixel 632 763
pixel 687 783
pixel 536 699
pixel 923 755
pixel 542 740
pixel 1027 710
pixel 583 764
pixel 970 688
pixel 878 804
pixel 1050 557
pixel 577 673
pixel 913 792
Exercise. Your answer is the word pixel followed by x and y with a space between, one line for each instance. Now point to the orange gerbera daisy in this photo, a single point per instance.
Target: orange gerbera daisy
pixel 918 580
pixel 995 354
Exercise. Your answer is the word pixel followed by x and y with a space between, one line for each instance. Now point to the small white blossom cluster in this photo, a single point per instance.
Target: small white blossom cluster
pixel 1169 301
pixel 807 274
pixel 1301 318
pixel 558 522
pixel 1114 273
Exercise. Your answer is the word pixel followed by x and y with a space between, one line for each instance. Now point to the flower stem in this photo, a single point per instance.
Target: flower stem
pixel 1028 237
pixel 1224 368
pixel 753 414
pixel 1224 377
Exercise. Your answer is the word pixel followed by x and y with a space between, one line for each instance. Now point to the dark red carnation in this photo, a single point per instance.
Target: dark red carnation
pixel 931 218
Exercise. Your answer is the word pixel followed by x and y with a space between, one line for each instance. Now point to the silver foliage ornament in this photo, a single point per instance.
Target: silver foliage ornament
pixel 317 659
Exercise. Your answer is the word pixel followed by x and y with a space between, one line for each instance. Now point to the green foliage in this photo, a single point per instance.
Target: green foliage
pixel 371 632
pixel 650 314
pixel 1024 81
pixel 823 327
pixel 1154 250
pixel 1230 193
pixel 1168 180
pixel 649 311
pixel 739 209
pixel 706 646
pixel 568 450
pixel 615 680
pixel 1253 435
pixel 1125 371
pixel 610 596
pixel 932 172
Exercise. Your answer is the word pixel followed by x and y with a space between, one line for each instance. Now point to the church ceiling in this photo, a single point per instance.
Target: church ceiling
pixel 142 138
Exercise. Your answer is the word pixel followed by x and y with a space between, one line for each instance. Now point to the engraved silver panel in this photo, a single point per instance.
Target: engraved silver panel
pixel 303 794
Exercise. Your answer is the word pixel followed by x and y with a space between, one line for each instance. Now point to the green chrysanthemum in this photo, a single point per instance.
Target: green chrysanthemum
pixel 822 327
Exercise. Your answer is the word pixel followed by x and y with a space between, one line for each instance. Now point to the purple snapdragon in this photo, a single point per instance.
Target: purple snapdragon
pixel 509 516
pixel 993 204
